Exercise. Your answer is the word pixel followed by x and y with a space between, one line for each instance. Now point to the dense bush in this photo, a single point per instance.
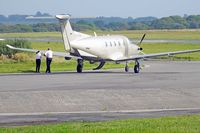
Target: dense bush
pixel 4 50
pixel 3 57
pixel 21 57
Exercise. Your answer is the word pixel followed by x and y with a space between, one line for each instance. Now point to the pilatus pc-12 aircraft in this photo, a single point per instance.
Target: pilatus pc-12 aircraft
pixel 100 49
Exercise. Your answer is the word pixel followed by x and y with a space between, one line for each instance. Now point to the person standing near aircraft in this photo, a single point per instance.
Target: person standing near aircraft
pixel 38 61
pixel 49 57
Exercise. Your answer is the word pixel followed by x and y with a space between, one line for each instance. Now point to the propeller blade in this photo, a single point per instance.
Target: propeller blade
pixel 142 39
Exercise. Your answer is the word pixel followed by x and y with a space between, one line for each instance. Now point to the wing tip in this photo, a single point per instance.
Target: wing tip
pixel 9 46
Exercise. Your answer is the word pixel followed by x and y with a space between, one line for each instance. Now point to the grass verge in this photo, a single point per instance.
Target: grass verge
pixel 175 124
pixel 58 65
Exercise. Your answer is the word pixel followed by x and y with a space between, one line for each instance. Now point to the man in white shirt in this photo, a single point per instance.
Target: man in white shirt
pixel 38 61
pixel 49 56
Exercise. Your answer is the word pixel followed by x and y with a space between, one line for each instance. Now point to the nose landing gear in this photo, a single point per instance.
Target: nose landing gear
pixel 126 67
pixel 137 67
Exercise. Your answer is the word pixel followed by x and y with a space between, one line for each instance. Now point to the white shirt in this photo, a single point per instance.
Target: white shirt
pixel 49 54
pixel 38 56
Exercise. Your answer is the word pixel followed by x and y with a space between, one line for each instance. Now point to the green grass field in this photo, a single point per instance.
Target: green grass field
pixel 176 124
pixel 132 34
pixel 165 47
pixel 31 35
pixel 58 65
pixel 164 34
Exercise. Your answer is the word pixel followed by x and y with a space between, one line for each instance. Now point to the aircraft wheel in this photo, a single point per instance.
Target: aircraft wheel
pixel 137 68
pixel 79 66
pixel 126 68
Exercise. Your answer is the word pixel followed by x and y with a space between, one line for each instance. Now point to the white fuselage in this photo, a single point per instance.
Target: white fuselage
pixel 106 47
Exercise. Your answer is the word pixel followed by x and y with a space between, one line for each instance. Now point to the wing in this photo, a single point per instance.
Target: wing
pixel 159 54
pixel 60 54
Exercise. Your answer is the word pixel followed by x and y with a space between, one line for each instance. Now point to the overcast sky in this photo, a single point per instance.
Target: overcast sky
pixel 94 8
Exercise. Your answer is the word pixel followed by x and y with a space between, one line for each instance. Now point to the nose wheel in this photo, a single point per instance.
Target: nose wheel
pixel 126 67
pixel 79 66
pixel 137 67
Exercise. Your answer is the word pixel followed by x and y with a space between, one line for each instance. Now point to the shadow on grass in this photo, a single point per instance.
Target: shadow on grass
pixel 27 71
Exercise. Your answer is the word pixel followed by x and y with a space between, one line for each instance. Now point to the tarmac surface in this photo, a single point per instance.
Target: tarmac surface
pixel 161 89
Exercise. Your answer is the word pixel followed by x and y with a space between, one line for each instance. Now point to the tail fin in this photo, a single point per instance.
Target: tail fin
pixel 66 29
pixel 67 33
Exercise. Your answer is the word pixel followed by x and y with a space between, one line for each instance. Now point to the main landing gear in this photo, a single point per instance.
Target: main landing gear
pixel 136 67
pixel 79 66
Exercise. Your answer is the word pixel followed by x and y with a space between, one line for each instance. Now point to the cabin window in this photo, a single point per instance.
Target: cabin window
pixel 119 43
pixel 111 44
pixel 106 44
pixel 115 44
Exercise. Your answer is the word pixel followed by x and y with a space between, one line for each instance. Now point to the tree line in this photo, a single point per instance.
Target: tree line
pixel 102 23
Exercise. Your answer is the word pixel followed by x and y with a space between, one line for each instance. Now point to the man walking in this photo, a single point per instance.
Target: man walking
pixel 38 61
pixel 49 56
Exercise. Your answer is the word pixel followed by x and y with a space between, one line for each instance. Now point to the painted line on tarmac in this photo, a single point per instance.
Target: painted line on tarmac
pixel 99 112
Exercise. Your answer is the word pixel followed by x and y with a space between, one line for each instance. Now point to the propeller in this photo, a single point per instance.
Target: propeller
pixel 140 49
pixel 141 40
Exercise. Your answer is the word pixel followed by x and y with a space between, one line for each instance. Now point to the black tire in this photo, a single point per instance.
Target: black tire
pixel 79 68
pixel 126 68
pixel 136 68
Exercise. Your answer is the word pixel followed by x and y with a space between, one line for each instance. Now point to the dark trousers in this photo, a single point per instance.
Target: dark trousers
pixel 48 63
pixel 38 63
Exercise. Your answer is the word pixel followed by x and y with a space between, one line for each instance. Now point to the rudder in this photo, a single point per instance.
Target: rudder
pixel 66 30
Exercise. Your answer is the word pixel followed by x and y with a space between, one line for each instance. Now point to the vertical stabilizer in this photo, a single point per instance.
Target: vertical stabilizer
pixel 66 29
pixel 67 33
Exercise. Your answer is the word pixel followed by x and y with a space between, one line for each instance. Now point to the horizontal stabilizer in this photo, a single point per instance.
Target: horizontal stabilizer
pixel 63 17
